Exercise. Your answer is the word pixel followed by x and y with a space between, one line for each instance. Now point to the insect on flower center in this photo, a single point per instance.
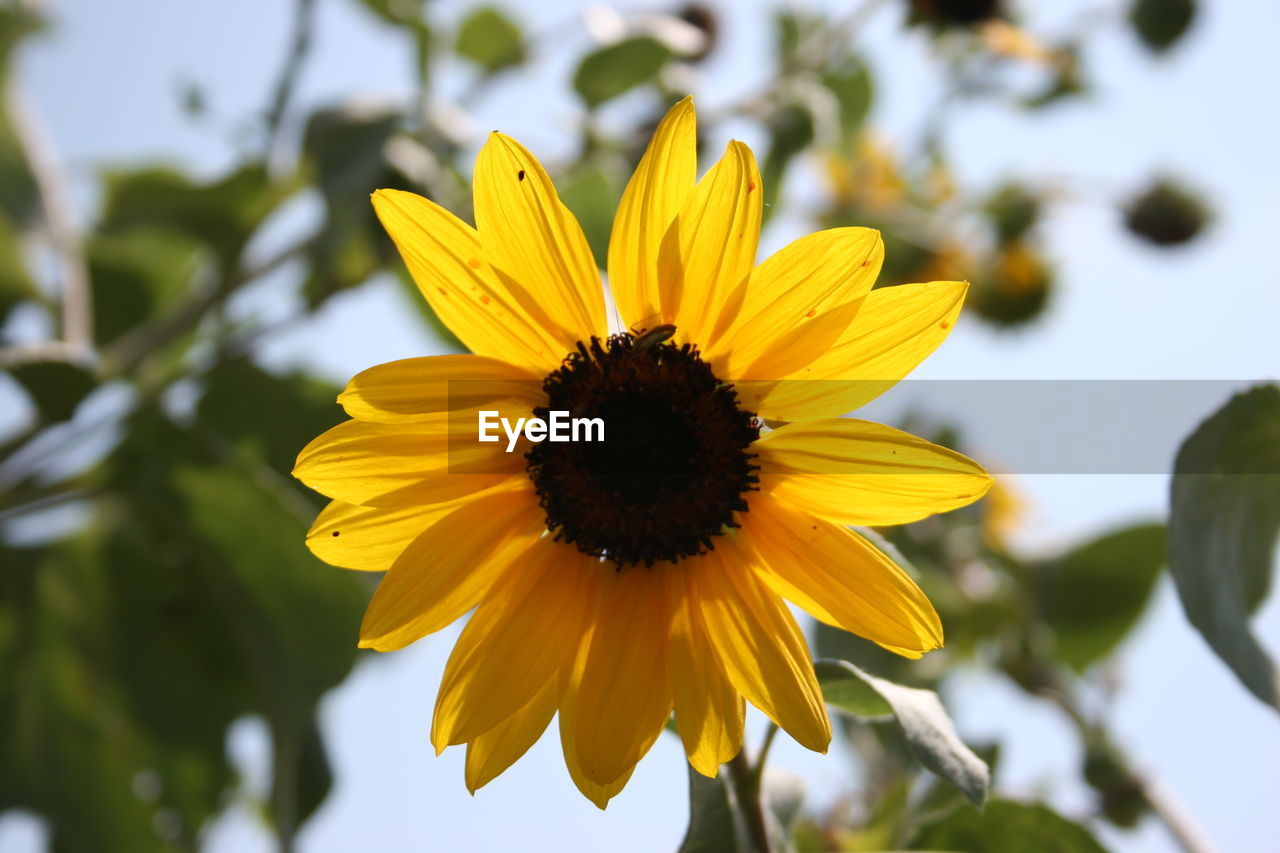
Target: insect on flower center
pixel 675 463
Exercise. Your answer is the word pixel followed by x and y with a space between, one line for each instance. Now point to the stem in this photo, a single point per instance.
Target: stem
pixel 303 24
pixel 1185 831
pixel 60 220
pixel 746 785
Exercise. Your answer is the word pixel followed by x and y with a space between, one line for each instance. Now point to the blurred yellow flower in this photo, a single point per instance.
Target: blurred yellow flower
pixel 615 582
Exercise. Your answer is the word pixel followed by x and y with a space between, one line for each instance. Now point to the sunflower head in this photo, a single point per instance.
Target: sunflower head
pixel 618 580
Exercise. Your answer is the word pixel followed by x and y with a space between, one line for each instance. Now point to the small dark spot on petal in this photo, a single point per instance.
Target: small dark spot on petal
pixel 474 263
pixel 336 532
pixel 751 185
pixel 812 312
pixel 867 262
pixel 944 324
pixel 520 175
pixel 484 297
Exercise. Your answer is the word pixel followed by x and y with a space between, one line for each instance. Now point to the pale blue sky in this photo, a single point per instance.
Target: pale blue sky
pixel 106 79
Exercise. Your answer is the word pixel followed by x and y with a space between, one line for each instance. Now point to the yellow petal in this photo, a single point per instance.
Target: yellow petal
pixel 497 749
pixel 895 329
pixel 620 697
pixel 598 793
pixel 859 472
pixel 709 711
pixel 535 245
pixel 368 538
pixel 524 631
pixel 449 567
pixel 839 578
pixel 413 389
pixel 784 296
pixel 713 247
pixel 760 645
pixel 402 464
pixel 655 194
pixel 444 257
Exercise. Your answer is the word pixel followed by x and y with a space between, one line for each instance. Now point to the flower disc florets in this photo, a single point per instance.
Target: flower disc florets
pixel 674 464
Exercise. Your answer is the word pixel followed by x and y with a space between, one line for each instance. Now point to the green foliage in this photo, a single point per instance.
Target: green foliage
pixel 592 198
pixel 851 83
pixel 1003 826
pixel 489 38
pixel 715 819
pixel 1094 595
pixel 929 731
pixel 56 387
pixel 15 282
pixel 1160 24
pixel 139 272
pixel 610 71
pixel 1013 210
pixel 1166 214
pixel 1224 515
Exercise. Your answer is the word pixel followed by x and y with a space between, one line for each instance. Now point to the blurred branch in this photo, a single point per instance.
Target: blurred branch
pixel 1181 826
pixel 303 26
pixel 60 220
pixel 746 784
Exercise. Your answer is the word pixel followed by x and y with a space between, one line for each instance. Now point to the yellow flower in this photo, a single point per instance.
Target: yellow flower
pixel 615 582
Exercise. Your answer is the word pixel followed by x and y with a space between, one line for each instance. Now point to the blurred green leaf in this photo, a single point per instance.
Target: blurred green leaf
pixel 489 38
pixel 850 81
pixel 19 195
pixel 928 729
pixel 715 821
pixel 136 273
pixel 848 691
pixel 1003 826
pixel 591 198
pixel 56 387
pixel 1167 214
pixel 1093 596
pixel 1012 210
pixel 609 71
pixel 1159 24
pixel 790 132
pixel 222 214
pixel 1224 517
pixel 15 281
pixel 266 416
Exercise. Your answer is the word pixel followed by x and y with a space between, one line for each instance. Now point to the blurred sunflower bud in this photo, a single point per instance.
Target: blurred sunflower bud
pixel 1003 511
pixel 703 17
pixel 1167 214
pixel 954 13
pixel 868 181
pixel 1119 792
pixel 1012 210
pixel 1015 288
pixel 1159 24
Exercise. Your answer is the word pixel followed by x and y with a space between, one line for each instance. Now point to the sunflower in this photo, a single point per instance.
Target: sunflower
pixel 615 582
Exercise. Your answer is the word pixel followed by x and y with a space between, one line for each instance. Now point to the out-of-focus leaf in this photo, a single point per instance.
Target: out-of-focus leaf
pixel 1015 288
pixel 267 416
pixel 790 131
pixel 489 38
pixel 1167 214
pixel 609 71
pixel 928 729
pixel 56 387
pixel 846 690
pixel 19 196
pixel 15 281
pixel 589 195
pixel 850 81
pixel 1224 516
pixel 135 274
pixel 715 821
pixel 1093 596
pixel 221 214
pixel 1012 210
pixel 1003 826
pixel 1159 24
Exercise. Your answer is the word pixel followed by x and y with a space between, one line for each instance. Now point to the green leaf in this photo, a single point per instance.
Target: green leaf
pixel 591 198
pixel 1223 520
pixel 1159 24
pixel 1094 595
pixel 15 282
pixel 19 195
pixel 790 131
pixel 715 821
pixel 267 416
pixel 850 82
pixel 848 691
pixel 136 273
pixel 489 38
pixel 222 214
pixel 56 387
pixel 928 729
pixel 1003 826
pixel 614 69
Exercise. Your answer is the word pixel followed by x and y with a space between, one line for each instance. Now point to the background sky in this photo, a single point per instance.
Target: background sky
pixel 106 81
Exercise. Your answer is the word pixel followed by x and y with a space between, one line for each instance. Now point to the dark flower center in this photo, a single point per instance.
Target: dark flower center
pixel 674 464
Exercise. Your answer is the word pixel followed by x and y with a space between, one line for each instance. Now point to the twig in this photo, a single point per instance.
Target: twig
pixel 60 220
pixel 303 25
pixel 746 784
pixel 1190 837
